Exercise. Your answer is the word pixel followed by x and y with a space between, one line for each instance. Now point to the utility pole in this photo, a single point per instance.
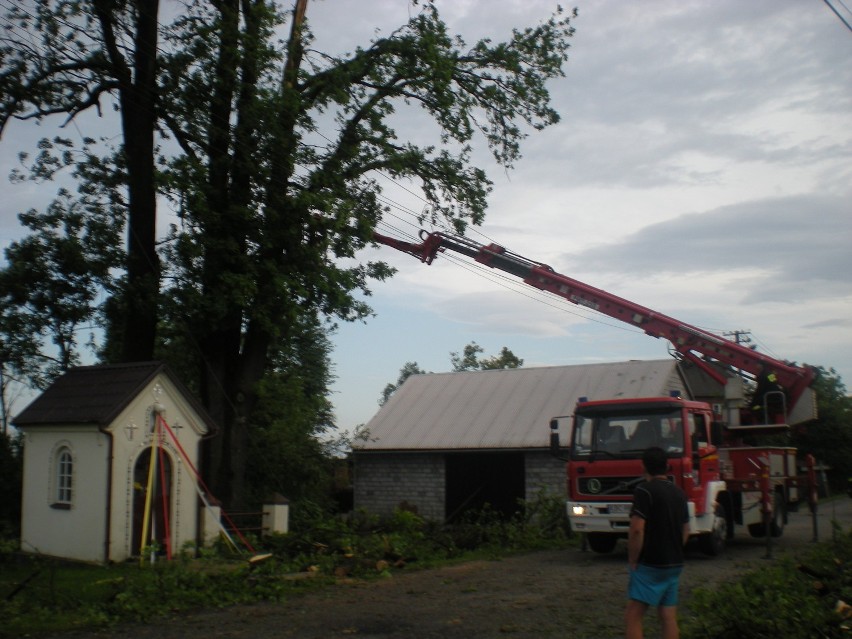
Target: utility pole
pixel 740 336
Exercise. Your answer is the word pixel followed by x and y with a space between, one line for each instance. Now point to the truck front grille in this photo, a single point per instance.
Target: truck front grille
pixel 594 486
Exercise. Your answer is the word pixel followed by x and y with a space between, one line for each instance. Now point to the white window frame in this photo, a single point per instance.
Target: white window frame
pixel 63 493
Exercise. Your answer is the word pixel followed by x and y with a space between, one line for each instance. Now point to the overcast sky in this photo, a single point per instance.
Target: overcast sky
pixel 702 168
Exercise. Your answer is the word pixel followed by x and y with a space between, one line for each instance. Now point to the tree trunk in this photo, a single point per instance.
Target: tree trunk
pixel 137 94
pixel 227 390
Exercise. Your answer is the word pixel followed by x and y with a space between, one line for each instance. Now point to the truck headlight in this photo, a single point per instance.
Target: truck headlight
pixel 578 509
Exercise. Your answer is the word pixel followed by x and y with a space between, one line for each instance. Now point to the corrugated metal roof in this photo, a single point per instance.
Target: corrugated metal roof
pixel 507 408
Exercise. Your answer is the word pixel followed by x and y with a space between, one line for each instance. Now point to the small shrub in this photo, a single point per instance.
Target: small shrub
pixel 788 600
pixel 8 550
pixel 539 523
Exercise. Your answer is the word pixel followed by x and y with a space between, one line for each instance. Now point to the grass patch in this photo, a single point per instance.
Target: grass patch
pixel 40 595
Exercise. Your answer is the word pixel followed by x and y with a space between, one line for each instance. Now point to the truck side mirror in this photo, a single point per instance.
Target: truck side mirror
pixel 554 445
pixel 554 437
pixel 555 448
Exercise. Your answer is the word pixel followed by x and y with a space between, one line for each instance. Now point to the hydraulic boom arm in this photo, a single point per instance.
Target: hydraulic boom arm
pixel 692 343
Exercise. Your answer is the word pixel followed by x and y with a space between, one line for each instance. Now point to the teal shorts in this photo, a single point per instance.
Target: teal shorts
pixel 654 586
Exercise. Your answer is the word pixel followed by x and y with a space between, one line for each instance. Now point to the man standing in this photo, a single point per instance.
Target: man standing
pixel 659 529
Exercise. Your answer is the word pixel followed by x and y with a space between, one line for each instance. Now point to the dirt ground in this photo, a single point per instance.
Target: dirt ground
pixel 543 594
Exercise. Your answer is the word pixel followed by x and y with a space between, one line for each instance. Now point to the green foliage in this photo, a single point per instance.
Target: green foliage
pixel 829 438
pixel 362 544
pixel 291 415
pixel 787 600
pixel 40 595
pixel 470 360
pixel 539 523
pixel 51 283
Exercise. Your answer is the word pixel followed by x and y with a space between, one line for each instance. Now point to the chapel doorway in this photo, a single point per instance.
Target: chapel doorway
pixel 161 511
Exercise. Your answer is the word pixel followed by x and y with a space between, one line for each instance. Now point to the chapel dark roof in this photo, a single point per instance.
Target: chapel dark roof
pixel 96 394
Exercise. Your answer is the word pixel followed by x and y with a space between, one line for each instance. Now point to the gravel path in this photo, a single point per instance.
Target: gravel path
pixel 542 594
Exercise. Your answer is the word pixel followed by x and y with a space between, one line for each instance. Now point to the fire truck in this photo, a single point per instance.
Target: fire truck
pixel 712 446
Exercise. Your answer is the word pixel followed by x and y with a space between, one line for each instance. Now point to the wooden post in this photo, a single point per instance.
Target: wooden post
pixel 813 497
pixel 276 515
pixel 211 523
pixel 767 505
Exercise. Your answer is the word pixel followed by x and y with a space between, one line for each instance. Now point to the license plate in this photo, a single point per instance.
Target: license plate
pixel 620 509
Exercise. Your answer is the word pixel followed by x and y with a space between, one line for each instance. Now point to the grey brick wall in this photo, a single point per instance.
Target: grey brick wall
pixel 544 472
pixel 384 480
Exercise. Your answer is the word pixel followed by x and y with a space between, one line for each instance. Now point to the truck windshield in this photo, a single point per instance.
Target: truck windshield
pixel 624 435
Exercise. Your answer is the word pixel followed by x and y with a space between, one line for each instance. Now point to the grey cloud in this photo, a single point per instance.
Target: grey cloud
pixel 842 323
pixel 647 86
pixel 801 242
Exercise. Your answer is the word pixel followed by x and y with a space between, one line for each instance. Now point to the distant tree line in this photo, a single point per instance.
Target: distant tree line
pixel 469 360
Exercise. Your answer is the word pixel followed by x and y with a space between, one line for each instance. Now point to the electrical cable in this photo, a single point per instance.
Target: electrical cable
pixel 405 212
pixel 837 13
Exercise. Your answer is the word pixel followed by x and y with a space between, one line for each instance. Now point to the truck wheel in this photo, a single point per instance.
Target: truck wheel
pixel 601 542
pixel 713 543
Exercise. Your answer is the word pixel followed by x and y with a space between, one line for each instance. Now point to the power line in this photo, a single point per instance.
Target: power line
pixel 405 216
pixel 837 13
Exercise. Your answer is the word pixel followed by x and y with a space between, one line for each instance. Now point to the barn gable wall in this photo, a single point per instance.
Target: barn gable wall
pixel 545 474
pixel 384 481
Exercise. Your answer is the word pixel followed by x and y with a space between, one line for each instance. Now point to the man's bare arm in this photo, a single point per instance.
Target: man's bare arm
pixel 635 539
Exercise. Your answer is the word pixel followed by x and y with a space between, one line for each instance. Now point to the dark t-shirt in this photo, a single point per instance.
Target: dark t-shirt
pixel 663 507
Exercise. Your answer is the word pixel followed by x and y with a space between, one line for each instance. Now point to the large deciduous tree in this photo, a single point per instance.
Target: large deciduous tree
pixel 274 156
pixel 51 283
pixel 829 438
pixel 66 57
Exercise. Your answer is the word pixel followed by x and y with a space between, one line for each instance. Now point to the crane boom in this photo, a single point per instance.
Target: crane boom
pixel 692 343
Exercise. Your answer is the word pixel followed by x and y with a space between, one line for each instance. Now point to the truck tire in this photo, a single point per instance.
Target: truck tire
pixel 713 543
pixel 601 542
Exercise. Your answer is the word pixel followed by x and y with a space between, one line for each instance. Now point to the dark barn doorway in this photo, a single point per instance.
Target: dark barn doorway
pixel 476 479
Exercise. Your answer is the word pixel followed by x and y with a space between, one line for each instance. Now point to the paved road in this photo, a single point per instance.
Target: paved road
pixel 800 527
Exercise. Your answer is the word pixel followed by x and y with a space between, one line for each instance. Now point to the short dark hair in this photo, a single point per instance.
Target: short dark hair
pixel 655 461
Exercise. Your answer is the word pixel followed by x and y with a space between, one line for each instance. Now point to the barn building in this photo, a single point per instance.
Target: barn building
pixel 445 443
